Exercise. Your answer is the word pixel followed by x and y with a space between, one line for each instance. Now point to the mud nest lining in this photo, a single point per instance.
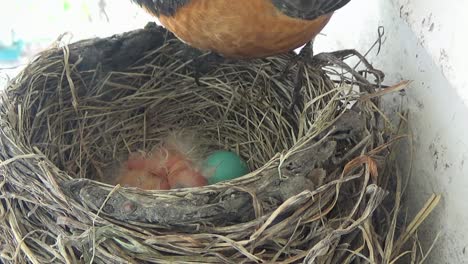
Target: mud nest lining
pixel 323 186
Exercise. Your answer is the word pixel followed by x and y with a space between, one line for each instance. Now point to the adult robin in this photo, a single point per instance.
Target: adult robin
pixel 246 28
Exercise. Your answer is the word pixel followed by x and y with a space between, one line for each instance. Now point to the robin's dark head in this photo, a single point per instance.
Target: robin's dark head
pixel 161 7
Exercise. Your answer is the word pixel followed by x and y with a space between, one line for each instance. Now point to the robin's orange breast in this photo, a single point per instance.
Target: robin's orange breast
pixel 241 28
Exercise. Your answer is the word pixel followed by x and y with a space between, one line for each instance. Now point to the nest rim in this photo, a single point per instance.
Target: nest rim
pixel 83 205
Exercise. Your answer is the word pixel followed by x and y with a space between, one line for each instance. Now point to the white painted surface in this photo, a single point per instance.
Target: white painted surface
pixel 425 41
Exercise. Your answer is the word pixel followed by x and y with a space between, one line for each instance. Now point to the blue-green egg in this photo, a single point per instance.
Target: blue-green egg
pixel 224 165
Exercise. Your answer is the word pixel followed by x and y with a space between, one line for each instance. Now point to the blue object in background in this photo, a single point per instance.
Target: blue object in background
pixel 12 52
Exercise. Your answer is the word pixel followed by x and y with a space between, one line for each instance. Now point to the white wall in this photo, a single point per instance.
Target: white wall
pixel 425 41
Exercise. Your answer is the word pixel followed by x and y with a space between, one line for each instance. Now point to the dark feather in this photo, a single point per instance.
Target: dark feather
pixel 305 9
pixel 161 7
pixel 308 9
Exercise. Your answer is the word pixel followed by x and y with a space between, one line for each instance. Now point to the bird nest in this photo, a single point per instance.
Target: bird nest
pixel 323 186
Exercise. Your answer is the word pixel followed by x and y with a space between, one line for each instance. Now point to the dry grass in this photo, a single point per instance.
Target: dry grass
pixel 61 122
